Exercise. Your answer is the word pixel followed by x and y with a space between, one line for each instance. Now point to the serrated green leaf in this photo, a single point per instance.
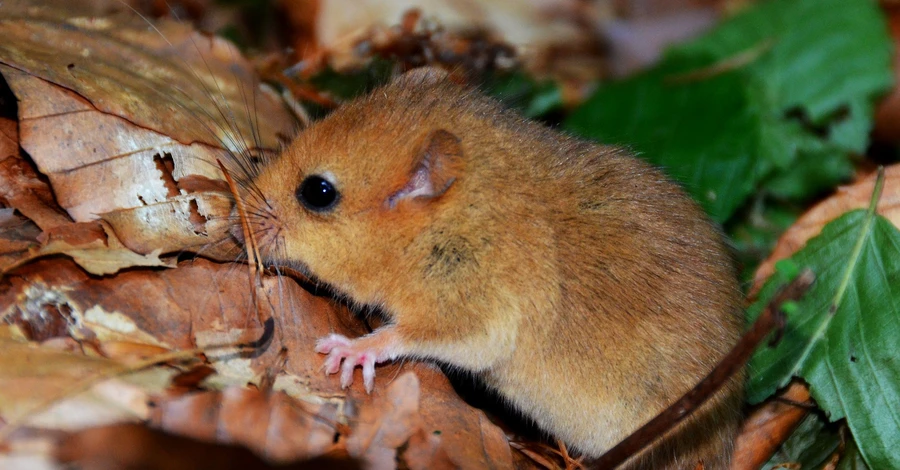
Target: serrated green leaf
pixel 843 338
pixel 726 112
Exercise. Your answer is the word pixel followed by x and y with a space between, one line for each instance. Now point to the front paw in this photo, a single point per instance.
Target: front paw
pixel 341 349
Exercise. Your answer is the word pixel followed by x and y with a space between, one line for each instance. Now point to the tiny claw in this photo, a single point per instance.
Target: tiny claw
pixel 368 372
pixel 332 363
pixel 347 372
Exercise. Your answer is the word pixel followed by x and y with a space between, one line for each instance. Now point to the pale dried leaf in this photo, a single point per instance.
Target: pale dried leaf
pixel 47 387
pixel 101 260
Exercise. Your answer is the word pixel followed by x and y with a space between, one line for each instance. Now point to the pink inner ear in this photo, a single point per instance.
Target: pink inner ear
pixel 436 170
pixel 419 185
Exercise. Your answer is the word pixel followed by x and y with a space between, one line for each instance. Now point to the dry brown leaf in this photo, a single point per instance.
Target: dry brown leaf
pixel 94 248
pixel 99 130
pixel 46 387
pixel 467 435
pixel 96 257
pixel 20 187
pixel 386 423
pixel 174 81
pixel 80 234
pixel 272 425
pixel 424 451
pixel 170 306
pixel 193 222
pixel 113 181
pixel 887 116
pixel 140 447
pixel 17 235
pixel 768 426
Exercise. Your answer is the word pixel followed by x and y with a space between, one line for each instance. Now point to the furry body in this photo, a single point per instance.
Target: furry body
pixel 583 286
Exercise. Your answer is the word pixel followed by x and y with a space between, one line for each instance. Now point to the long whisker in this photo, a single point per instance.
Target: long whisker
pixel 228 135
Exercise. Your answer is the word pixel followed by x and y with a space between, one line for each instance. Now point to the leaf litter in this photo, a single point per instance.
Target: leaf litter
pixel 95 132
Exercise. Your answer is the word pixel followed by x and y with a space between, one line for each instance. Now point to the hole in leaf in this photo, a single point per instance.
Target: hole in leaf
pixel 166 166
pixel 198 222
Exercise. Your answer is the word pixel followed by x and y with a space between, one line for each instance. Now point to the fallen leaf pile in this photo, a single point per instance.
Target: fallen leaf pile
pixel 109 317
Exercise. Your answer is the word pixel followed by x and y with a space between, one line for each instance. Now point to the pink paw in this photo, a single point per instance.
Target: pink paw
pixel 339 348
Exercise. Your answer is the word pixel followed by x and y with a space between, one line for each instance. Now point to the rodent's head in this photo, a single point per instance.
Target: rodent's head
pixel 346 198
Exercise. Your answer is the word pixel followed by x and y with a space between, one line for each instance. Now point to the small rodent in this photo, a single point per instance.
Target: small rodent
pixel 576 280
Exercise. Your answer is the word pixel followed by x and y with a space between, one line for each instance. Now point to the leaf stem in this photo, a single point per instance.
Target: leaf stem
pixel 864 232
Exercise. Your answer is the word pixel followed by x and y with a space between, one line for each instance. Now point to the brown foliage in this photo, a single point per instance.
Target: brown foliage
pixel 122 125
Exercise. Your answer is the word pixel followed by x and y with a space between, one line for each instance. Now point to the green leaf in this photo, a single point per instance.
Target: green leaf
pixel 843 337
pixel 813 172
pixel 785 82
pixel 789 269
pixel 708 134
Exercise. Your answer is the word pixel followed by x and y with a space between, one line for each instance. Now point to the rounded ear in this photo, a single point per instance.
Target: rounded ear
pixel 428 75
pixel 438 165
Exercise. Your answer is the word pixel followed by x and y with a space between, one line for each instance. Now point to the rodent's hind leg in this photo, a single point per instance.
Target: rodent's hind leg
pixel 345 354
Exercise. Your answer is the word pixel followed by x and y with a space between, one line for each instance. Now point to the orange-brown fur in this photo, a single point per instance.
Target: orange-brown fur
pixel 587 289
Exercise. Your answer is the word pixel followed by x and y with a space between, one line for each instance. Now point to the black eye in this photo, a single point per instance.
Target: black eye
pixel 317 194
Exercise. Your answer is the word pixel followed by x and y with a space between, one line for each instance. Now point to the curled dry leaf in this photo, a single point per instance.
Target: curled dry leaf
pixel 125 118
pixel 20 186
pixel 93 247
pixel 96 257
